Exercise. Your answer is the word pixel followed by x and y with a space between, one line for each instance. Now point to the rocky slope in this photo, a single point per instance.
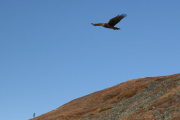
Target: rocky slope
pixel 150 98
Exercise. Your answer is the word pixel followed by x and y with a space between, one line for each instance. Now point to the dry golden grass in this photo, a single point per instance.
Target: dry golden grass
pixel 103 100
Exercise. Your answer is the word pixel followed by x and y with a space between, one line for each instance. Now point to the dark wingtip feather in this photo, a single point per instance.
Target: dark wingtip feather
pixel 124 15
pixel 92 24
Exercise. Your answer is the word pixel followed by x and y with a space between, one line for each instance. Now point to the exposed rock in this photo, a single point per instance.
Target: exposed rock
pixel 150 98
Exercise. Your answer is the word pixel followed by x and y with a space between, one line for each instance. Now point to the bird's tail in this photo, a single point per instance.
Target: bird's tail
pixel 116 28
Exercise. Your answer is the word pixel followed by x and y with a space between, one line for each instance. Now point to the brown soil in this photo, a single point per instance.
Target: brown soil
pixel 150 98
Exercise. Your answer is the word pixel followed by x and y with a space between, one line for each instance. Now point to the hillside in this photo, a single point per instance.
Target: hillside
pixel 150 98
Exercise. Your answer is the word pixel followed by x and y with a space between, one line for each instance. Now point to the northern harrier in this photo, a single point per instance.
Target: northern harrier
pixel 112 22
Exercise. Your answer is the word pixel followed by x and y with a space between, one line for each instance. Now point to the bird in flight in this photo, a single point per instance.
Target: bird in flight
pixel 112 22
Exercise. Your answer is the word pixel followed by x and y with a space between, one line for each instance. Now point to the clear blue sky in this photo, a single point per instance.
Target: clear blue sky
pixel 51 54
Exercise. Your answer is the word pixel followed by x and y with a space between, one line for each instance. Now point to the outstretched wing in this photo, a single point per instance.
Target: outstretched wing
pixel 97 24
pixel 116 19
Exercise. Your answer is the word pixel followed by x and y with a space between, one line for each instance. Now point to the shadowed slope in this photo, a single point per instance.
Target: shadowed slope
pixel 144 99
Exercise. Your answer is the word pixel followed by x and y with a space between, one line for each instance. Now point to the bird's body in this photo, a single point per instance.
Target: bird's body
pixel 112 22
